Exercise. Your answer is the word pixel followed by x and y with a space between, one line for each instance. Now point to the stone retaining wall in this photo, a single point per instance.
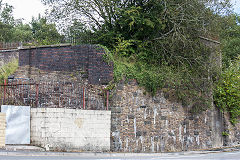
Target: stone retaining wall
pixel 142 123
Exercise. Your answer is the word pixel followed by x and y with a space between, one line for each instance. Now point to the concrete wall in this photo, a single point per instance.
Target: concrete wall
pixel 2 129
pixel 142 123
pixel 70 129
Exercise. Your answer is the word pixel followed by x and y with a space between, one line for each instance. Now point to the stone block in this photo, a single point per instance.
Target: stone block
pixel 170 134
pixel 138 133
pixel 143 106
pixel 118 98
pixel 135 94
pixel 147 122
pixel 156 100
pixel 174 108
pixel 120 86
pixel 131 116
pixel 116 110
pixel 185 122
pixel 163 118
pixel 191 118
pixel 208 133
pixel 113 128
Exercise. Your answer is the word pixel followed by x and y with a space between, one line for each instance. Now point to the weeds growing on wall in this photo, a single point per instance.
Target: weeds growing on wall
pixel 190 86
pixel 227 91
pixel 7 70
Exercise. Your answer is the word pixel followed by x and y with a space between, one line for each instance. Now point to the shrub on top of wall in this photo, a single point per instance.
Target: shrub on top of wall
pixel 7 70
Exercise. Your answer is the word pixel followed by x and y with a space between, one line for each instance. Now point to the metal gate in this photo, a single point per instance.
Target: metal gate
pixel 18 124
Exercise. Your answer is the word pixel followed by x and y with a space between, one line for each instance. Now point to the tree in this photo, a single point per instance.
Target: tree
pixel 230 38
pixel 147 37
pixel 6 22
pixel 45 33
pixel 22 33
pixel 171 24
pixel 6 13
pixel 78 33
pixel 226 94
pixel 39 30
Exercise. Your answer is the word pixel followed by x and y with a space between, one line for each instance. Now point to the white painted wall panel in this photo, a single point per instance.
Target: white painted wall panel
pixel 71 129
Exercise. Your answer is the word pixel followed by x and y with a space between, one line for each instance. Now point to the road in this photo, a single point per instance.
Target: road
pixel 116 156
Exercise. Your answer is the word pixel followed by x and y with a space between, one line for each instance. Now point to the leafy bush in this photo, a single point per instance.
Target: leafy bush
pixel 230 39
pixel 188 88
pixel 227 91
pixel 7 70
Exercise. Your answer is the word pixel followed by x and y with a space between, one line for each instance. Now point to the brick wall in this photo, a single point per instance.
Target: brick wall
pixel 2 129
pixel 7 56
pixel 82 58
pixel 70 129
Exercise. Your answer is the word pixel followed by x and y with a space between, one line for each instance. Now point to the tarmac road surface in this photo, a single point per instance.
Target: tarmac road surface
pixel 120 156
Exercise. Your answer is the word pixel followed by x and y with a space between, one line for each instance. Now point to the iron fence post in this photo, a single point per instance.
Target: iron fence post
pixel 83 98
pixel 4 96
pixel 107 99
pixel 37 91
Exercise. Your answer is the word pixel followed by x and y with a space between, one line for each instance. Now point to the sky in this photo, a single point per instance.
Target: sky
pixel 27 9
pixel 236 5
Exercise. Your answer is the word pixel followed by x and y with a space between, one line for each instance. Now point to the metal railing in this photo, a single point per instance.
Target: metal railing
pixel 10 45
pixel 53 94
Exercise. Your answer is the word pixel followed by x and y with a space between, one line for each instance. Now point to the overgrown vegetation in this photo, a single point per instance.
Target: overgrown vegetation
pixel 230 39
pixel 227 88
pixel 227 91
pixel 8 70
pixel 189 85
pixel 155 42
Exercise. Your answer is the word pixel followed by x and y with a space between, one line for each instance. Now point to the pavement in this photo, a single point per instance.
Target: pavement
pixel 22 148
pixel 27 150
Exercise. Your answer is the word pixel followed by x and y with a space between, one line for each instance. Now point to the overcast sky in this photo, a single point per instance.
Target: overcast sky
pixel 236 5
pixel 27 8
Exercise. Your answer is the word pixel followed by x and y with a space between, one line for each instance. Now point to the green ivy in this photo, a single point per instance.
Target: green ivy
pixel 225 134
